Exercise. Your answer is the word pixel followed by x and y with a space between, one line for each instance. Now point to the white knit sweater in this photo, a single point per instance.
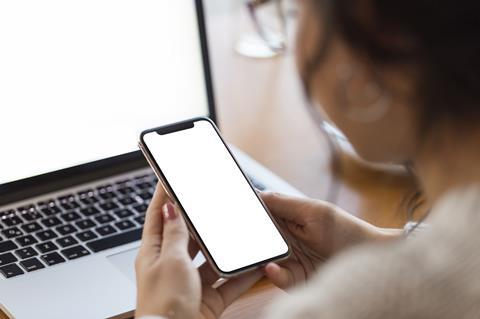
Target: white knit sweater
pixel 435 274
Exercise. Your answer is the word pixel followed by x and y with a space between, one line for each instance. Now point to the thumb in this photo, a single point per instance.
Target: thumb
pixel 152 228
pixel 279 276
pixel 175 232
pixel 286 207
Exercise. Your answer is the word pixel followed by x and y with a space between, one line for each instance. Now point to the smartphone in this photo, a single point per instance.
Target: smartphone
pixel 224 213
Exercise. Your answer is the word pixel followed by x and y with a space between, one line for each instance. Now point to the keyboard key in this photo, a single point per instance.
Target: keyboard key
pixel 88 197
pixel 11 270
pixel 85 193
pixel 26 240
pixel 105 230
pixel 50 210
pixel 145 195
pixel 105 188
pixel 127 200
pixel 141 208
pixel 66 198
pixel 107 196
pixel 68 202
pixel 53 258
pixel 104 218
pixel 31 227
pixel 51 222
pixel 86 235
pixel 125 190
pixel 7 246
pixel 75 252
pixel 44 203
pixel 46 235
pixel 29 213
pixel 29 207
pixel 7 213
pixel 66 229
pixel 67 241
pixel 85 224
pixel 11 220
pixel 116 240
pixel 70 216
pixel 69 206
pixel 46 247
pixel 12 232
pixel 108 206
pixel 106 192
pixel 26 252
pixel 7 258
pixel 144 185
pixel 24 209
pixel 123 213
pixel 31 264
pixel 89 200
pixel 140 220
pixel 124 224
pixel 89 211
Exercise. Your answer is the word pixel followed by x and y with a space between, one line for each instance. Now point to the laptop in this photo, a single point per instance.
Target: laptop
pixel 79 80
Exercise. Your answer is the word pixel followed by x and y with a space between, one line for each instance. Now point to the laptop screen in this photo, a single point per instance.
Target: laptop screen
pixel 80 79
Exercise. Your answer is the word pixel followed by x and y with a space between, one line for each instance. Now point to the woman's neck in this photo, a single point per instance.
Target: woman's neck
pixel 449 159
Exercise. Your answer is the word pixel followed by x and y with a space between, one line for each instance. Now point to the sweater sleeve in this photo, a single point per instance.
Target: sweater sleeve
pixel 353 286
pixel 395 281
pixel 433 274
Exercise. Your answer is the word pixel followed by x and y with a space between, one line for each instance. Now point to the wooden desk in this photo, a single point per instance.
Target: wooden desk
pixel 262 111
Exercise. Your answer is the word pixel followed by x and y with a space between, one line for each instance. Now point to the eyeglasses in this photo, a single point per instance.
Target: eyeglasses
pixel 271 29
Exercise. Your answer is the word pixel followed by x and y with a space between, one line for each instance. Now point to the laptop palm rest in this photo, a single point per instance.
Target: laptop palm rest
pixel 125 262
pixel 88 288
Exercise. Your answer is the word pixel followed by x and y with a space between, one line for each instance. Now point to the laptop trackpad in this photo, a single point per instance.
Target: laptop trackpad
pixel 125 262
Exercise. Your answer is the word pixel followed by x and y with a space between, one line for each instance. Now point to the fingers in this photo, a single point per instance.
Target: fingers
pixel 284 276
pixel 152 228
pixel 285 207
pixel 153 218
pixel 175 232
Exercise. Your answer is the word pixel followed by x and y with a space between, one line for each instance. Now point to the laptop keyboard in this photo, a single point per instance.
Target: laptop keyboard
pixel 71 226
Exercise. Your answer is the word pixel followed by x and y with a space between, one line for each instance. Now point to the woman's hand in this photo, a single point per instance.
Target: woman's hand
pixel 167 282
pixel 315 230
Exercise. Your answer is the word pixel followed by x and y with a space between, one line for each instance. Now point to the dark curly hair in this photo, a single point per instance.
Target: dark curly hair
pixel 440 39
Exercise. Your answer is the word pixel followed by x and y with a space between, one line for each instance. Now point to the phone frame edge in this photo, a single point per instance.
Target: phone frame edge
pixel 171 194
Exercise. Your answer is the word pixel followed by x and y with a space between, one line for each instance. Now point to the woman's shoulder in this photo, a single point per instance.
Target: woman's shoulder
pixel 434 274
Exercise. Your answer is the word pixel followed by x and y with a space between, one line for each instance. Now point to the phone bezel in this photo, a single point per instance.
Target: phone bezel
pixel 187 124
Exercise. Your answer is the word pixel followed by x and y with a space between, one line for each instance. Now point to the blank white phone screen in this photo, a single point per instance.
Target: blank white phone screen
pixel 223 208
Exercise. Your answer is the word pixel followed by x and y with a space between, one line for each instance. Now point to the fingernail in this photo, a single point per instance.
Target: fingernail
pixel 169 212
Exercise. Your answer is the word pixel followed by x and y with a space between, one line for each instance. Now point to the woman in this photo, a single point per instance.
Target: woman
pixel 402 80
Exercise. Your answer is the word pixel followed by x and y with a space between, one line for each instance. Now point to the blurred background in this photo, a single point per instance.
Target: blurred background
pixel 263 111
